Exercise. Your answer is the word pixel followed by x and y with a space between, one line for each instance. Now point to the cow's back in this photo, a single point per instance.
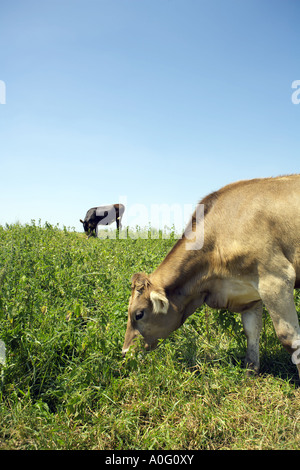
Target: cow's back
pixel 254 219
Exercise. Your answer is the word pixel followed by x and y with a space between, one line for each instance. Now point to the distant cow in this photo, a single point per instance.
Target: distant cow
pixel 103 215
pixel 250 257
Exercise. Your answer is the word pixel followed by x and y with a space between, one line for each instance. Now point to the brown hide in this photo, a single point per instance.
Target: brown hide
pixel 250 256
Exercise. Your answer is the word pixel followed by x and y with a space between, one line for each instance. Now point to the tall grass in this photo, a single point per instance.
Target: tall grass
pixel 64 385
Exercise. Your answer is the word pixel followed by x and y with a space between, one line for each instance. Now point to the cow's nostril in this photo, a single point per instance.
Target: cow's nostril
pixel 124 351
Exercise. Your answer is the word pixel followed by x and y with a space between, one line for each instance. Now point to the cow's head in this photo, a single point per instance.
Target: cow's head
pixel 149 313
pixel 88 226
pixel 85 225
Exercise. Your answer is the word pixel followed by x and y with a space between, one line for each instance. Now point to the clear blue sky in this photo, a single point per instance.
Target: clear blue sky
pixel 157 101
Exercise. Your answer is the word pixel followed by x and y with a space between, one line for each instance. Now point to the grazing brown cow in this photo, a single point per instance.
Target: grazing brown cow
pixel 250 257
pixel 102 215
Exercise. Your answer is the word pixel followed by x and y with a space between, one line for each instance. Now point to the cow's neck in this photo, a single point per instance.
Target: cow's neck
pixel 181 267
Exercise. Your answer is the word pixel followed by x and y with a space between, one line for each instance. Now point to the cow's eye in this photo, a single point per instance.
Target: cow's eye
pixel 139 315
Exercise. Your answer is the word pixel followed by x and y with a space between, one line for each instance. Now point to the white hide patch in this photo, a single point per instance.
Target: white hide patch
pixel 159 301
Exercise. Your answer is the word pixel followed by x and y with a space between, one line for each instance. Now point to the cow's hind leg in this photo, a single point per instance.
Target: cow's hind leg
pixel 276 291
pixel 252 323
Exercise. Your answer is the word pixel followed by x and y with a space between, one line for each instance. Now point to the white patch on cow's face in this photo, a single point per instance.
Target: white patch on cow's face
pixel 159 301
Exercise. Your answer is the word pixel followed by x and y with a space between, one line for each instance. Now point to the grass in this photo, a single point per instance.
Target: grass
pixel 63 313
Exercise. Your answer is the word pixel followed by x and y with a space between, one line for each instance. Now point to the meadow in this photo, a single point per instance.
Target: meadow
pixel 64 384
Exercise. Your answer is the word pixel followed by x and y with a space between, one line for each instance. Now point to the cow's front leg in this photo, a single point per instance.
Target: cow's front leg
pixel 276 291
pixel 252 323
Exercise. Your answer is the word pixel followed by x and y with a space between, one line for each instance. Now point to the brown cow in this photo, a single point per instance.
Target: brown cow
pixel 250 257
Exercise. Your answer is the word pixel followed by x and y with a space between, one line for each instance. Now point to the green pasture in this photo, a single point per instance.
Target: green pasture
pixel 65 385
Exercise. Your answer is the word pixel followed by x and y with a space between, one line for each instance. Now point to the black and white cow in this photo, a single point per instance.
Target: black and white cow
pixel 102 215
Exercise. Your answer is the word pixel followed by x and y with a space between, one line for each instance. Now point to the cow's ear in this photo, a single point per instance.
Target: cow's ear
pixel 139 282
pixel 159 301
pixel 81 221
